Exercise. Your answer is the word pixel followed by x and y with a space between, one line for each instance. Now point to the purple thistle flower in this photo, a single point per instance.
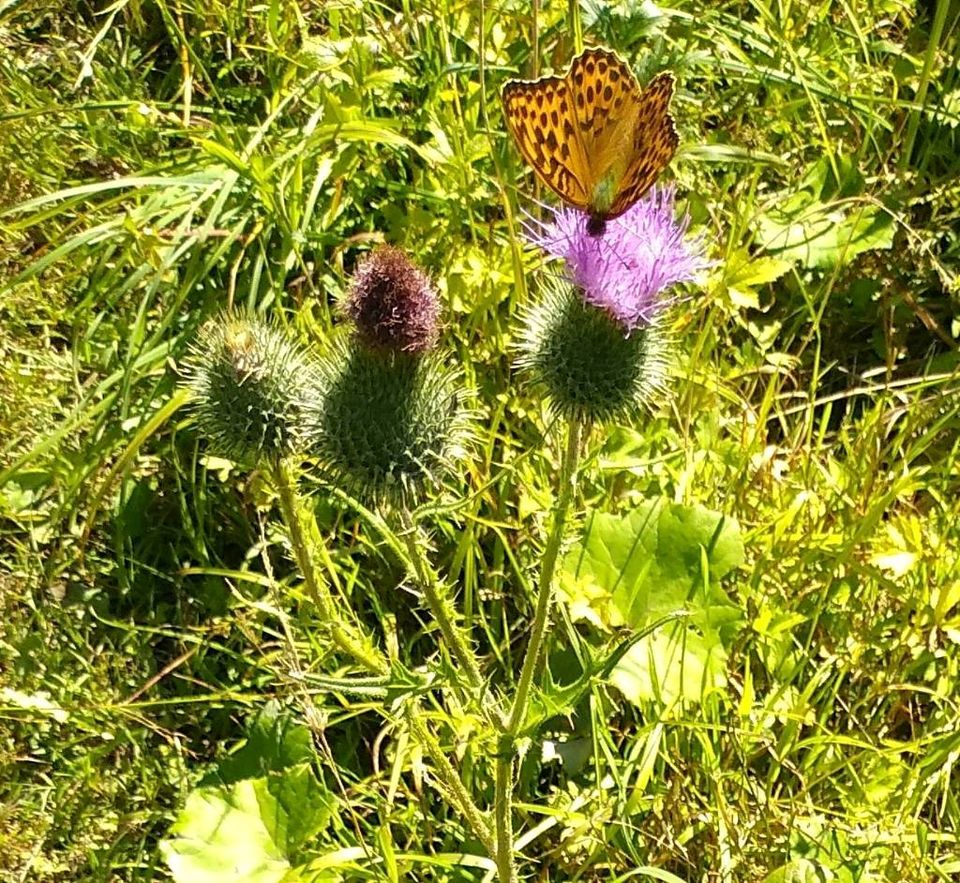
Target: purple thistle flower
pixel 627 269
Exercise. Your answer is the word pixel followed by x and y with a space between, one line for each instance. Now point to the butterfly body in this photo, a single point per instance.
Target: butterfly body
pixel 596 225
pixel 593 136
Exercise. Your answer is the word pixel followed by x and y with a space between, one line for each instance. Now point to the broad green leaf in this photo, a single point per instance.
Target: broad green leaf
pixel 744 274
pixel 672 665
pixel 247 821
pixel 824 235
pixel 304 805
pixel 223 835
pixel 248 831
pixel 275 741
pixel 631 568
pixel 685 531
pixel 660 560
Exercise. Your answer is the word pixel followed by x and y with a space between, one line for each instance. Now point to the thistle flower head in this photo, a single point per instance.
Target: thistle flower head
pixel 590 369
pixel 627 269
pixel 386 426
pixel 596 340
pixel 250 385
pixel 392 303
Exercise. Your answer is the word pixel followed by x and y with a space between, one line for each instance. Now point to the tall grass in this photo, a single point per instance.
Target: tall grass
pixel 165 160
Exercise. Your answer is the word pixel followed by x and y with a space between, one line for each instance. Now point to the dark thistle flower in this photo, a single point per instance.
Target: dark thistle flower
pixel 390 418
pixel 629 268
pixel 392 303
pixel 250 385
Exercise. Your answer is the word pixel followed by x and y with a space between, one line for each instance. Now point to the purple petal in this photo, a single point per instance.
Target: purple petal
pixel 628 269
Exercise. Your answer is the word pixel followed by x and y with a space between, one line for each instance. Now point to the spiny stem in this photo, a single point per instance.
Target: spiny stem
pixel 292 509
pixel 568 472
pixel 439 603
pixel 503 811
pixel 451 780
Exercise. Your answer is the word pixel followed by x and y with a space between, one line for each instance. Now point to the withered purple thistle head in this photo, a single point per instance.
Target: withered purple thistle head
pixel 393 303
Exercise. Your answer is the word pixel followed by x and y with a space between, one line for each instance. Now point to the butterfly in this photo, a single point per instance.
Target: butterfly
pixel 594 136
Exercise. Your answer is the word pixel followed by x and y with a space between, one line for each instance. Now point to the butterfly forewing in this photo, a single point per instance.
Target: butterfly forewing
pixel 593 136
pixel 606 101
pixel 541 119
pixel 655 141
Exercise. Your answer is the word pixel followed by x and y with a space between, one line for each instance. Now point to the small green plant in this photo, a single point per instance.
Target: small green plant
pixel 380 419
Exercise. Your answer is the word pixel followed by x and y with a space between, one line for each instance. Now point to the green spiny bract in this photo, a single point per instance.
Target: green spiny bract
pixel 590 368
pixel 251 386
pixel 386 425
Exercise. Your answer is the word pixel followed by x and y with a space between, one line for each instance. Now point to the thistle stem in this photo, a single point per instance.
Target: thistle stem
pixel 503 799
pixel 439 602
pixel 568 476
pixel 451 780
pixel 503 811
pixel 292 510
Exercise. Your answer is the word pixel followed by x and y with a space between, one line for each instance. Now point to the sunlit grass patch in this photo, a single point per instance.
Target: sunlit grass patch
pixel 164 163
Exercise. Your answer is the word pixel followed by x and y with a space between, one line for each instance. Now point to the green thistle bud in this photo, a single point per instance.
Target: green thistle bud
pixel 251 386
pixel 386 426
pixel 590 367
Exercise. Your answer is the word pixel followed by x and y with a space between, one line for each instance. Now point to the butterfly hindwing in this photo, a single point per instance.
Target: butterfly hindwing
pixel 541 119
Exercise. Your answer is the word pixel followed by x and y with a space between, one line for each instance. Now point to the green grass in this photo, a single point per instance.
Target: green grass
pixel 164 160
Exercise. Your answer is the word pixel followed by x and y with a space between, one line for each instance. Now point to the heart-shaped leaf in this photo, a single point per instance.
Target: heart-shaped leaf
pixel 660 560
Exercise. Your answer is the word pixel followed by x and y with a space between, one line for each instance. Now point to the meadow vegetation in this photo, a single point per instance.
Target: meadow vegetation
pixel 160 656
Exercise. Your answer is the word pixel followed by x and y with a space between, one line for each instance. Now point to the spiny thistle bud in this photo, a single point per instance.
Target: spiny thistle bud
pixel 251 386
pixel 392 303
pixel 589 367
pixel 390 419
pixel 387 425
pixel 596 341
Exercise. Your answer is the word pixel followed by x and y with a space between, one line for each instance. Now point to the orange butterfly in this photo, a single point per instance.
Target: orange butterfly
pixel 594 136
